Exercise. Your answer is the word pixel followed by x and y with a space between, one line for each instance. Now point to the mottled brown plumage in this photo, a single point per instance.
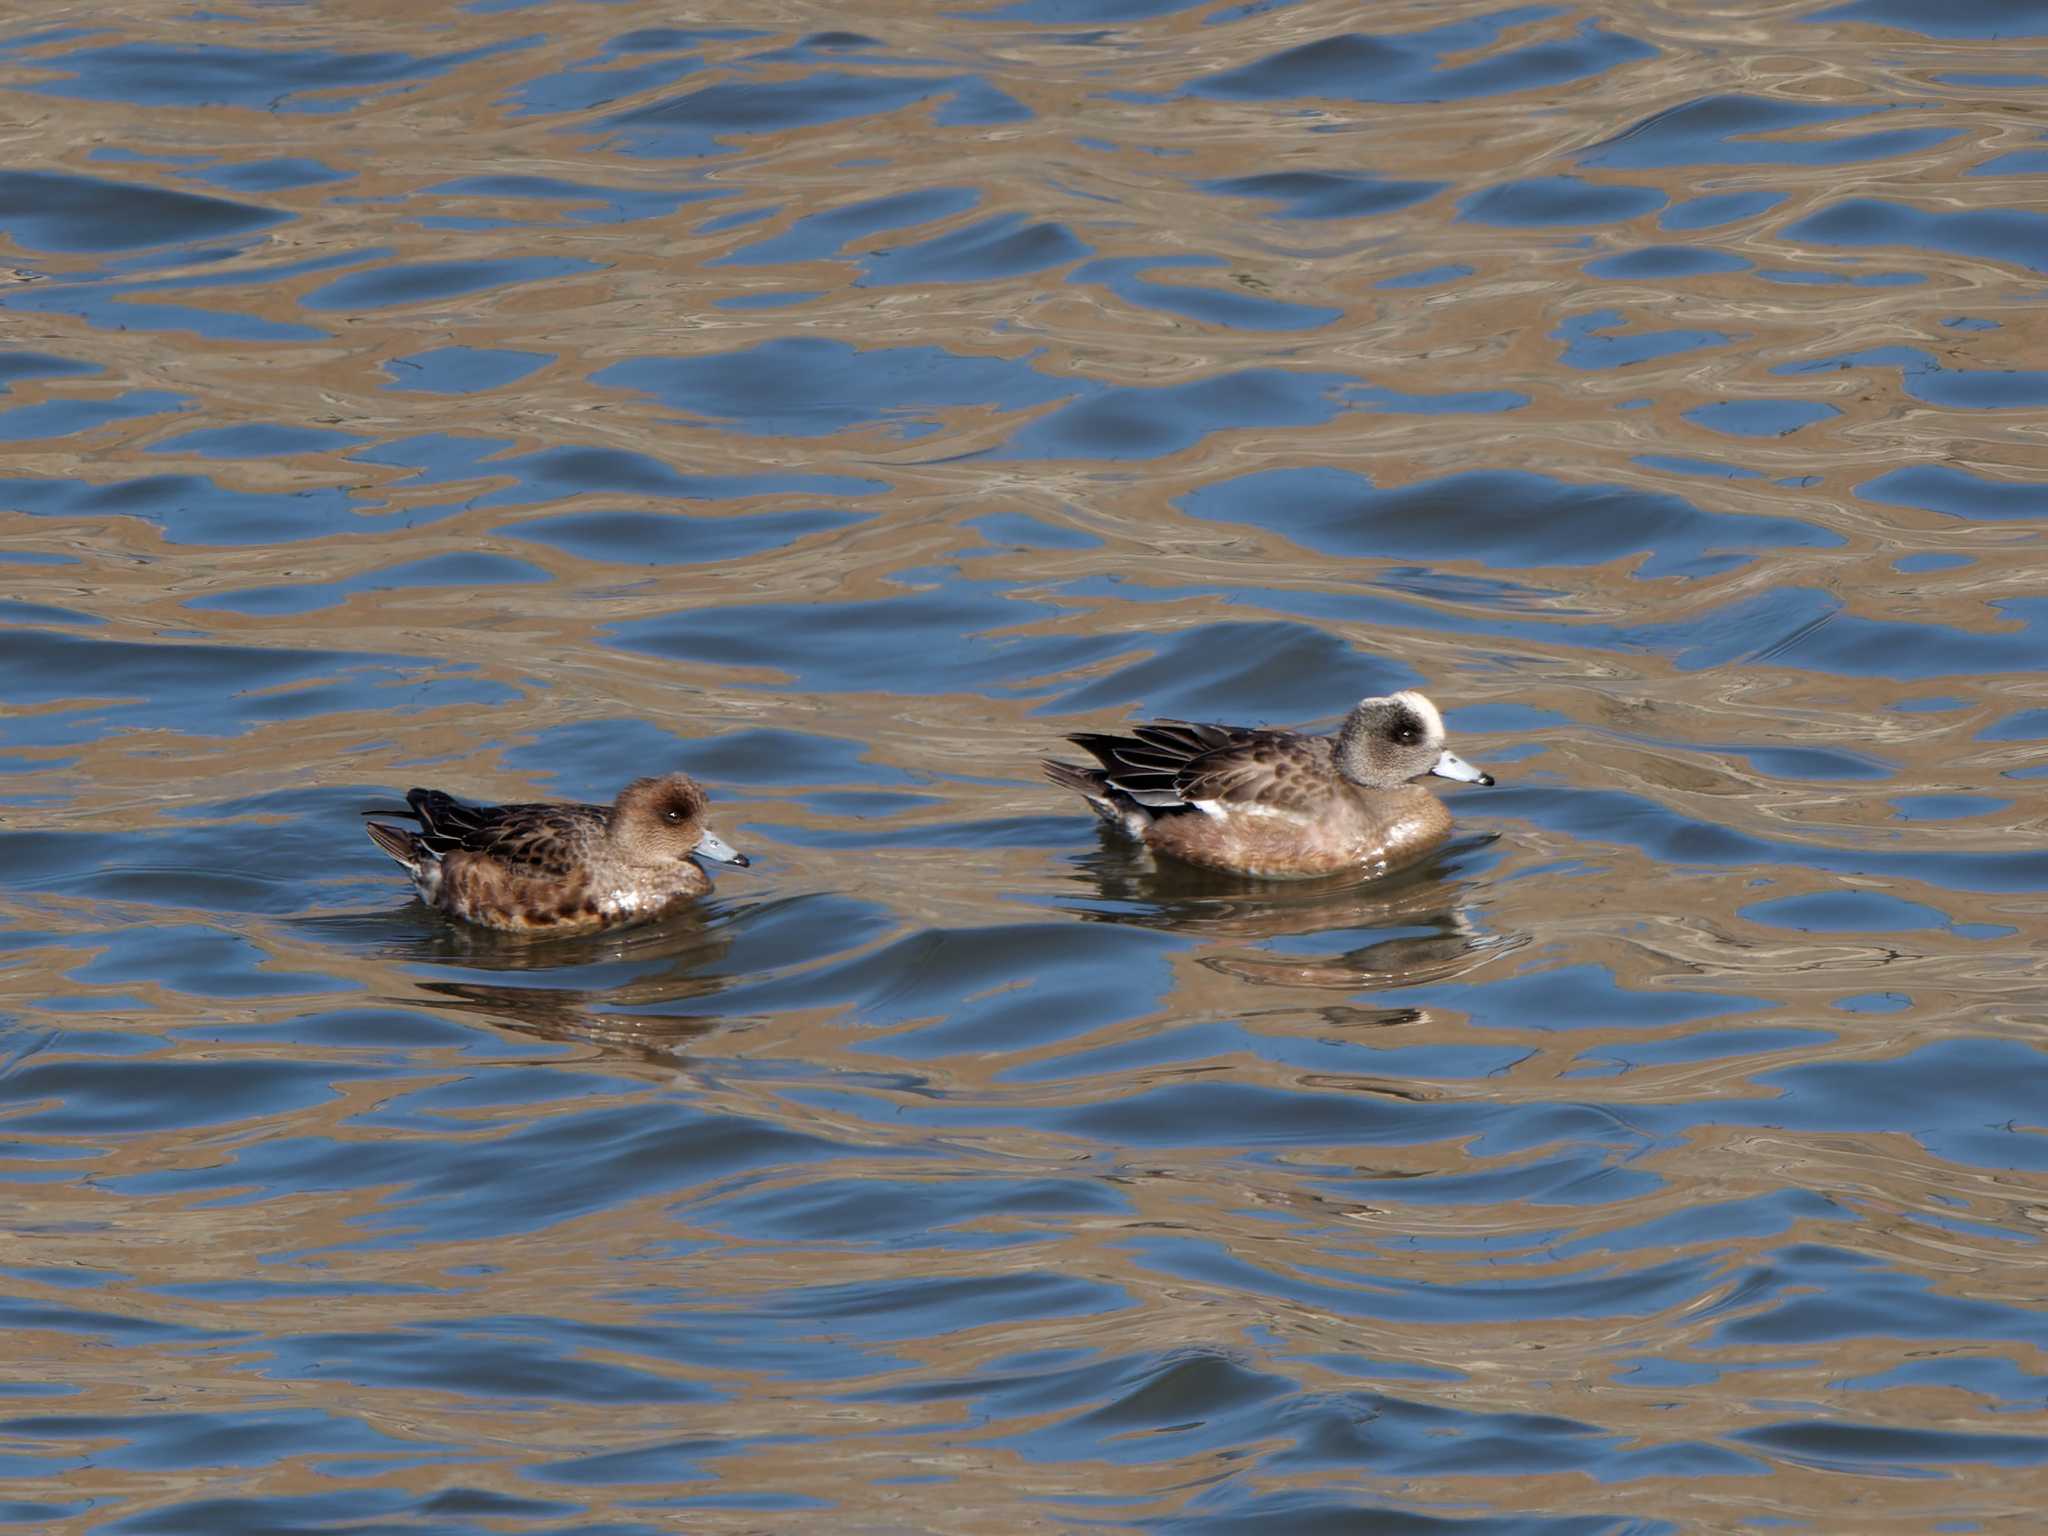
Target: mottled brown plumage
pixel 557 867
pixel 1277 804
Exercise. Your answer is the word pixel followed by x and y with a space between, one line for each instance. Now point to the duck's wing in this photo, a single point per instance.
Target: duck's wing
pixel 1181 763
pixel 1271 771
pixel 547 839
pixel 1147 766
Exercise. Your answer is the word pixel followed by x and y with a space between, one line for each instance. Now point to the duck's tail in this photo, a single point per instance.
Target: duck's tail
pixel 1094 786
pixel 401 843
pixel 1086 781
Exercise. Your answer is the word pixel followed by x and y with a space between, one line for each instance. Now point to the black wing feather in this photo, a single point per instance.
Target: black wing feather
pixel 1161 764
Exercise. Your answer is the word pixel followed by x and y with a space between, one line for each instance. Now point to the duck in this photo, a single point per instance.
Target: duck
pixel 1278 804
pixel 557 867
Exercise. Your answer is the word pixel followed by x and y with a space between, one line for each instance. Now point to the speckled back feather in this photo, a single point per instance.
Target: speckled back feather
pixel 540 839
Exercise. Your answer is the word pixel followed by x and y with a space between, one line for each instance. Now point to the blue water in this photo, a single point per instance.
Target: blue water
pixel 523 396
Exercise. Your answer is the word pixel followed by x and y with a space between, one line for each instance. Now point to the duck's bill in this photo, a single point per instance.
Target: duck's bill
pixel 712 846
pixel 1452 766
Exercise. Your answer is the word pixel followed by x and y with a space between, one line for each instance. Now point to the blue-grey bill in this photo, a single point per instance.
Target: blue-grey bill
pixel 712 846
pixel 1452 766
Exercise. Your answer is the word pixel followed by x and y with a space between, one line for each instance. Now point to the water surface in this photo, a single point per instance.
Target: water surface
pixel 520 397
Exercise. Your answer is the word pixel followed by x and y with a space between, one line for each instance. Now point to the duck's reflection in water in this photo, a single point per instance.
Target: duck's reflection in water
pixel 627 989
pixel 1415 925
pixel 594 1018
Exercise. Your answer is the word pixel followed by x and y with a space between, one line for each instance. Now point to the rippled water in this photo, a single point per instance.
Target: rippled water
pixel 519 397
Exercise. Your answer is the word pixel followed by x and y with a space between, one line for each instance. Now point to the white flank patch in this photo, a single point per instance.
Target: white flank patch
pixel 1243 810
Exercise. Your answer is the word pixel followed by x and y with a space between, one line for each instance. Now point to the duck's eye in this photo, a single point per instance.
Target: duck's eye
pixel 672 816
pixel 1407 735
